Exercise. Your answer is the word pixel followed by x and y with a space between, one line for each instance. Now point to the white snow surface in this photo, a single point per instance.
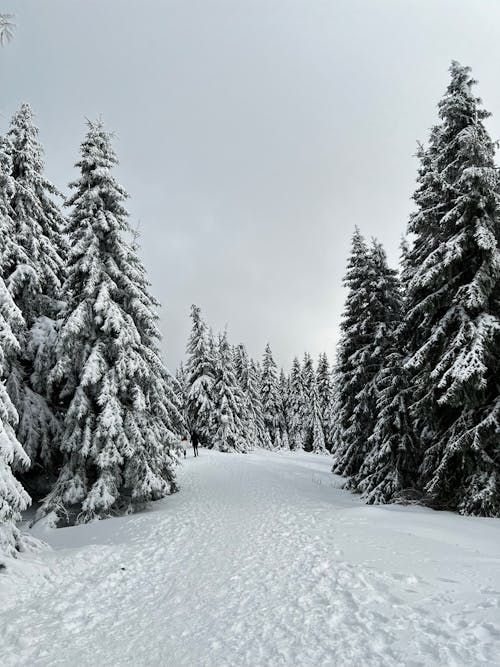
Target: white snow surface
pixel 260 560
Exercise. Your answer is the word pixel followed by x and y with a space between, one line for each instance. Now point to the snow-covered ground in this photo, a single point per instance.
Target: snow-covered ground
pixel 260 560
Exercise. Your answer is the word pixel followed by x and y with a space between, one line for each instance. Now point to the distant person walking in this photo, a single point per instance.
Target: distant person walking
pixel 185 444
pixel 195 442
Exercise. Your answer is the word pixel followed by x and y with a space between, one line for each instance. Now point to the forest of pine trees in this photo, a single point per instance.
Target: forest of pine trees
pixel 90 417
pixel 411 408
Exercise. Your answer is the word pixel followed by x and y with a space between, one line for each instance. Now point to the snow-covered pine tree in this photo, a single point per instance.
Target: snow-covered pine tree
pixel 33 266
pixel 296 407
pixel 325 396
pixel 181 387
pixel 109 376
pixel 308 382
pixel 271 400
pixel 317 435
pixel 253 391
pixel 13 498
pixel 390 468
pixel 242 373
pixel 284 400
pixel 452 313
pixel 350 377
pixel 230 417
pixel 324 382
pixel 241 363
pixel 200 371
pixel 372 308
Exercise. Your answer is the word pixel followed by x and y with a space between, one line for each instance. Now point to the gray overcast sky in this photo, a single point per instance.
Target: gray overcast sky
pixel 252 134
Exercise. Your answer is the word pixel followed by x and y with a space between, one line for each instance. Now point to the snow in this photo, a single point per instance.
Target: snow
pixel 260 560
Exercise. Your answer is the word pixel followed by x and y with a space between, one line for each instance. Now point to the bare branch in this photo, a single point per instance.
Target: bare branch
pixel 6 28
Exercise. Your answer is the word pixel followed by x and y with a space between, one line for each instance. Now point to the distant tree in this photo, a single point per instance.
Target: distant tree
pixel 308 383
pixel 271 400
pixel 324 383
pixel 230 416
pixel 296 407
pixel 284 406
pixel 200 372
pixel 317 435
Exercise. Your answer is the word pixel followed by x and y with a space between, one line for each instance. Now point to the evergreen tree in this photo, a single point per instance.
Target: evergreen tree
pixel 270 396
pixel 109 377
pixel 325 397
pixel 242 373
pixel 317 435
pixel 308 382
pixel 389 470
pixel 296 409
pixel 200 370
pixel 229 403
pixel 181 388
pixel 33 270
pixel 253 386
pixel 13 498
pixel 372 309
pixel 452 325
pixel 284 407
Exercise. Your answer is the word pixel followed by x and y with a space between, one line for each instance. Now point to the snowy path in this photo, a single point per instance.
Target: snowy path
pixel 259 561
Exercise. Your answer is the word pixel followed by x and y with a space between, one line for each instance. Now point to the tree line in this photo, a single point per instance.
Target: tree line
pixel 235 403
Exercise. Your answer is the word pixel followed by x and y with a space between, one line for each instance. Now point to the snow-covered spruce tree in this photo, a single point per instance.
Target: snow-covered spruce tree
pixel 296 407
pixel 390 468
pixel 13 498
pixel 325 397
pixel 200 371
pixel 350 377
pixel 308 382
pixel 108 377
pixel 372 309
pixel 181 386
pixel 317 435
pixel 452 312
pixel 243 376
pixel 253 387
pixel 271 399
pixel 284 401
pixel 33 269
pixel 230 417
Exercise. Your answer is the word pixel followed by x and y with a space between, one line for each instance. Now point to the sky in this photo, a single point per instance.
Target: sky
pixel 253 135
